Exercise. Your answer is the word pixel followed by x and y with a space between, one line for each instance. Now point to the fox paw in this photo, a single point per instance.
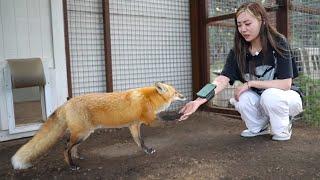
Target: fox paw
pixel 74 167
pixel 149 151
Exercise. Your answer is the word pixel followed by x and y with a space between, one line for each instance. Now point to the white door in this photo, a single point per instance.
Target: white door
pixel 25 32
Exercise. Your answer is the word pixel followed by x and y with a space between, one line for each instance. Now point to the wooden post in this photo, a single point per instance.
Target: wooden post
pixel 67 48
pixel 200 64
pixel 107 45
pixel 282 16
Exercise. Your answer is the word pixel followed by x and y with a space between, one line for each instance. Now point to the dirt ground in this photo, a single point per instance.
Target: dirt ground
pixel 207 146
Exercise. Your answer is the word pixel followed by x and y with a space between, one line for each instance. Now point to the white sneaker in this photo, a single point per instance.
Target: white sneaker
pixel 283 136
pixel 248 133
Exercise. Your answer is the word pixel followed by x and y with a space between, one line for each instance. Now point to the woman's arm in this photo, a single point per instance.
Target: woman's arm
pixel 221 82
pixel 284 84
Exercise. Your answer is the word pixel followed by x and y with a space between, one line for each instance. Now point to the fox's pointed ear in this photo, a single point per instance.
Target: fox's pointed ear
pixel 160 88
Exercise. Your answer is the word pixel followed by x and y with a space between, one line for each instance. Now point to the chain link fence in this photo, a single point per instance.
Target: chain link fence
pixel 305 41
pixel 150 42
pixel 86 46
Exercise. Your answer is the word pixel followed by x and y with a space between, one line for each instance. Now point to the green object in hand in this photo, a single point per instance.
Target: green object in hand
pixel 207 91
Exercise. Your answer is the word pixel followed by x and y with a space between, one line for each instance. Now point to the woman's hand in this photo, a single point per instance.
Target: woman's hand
pixel 190 108
pixel 240 89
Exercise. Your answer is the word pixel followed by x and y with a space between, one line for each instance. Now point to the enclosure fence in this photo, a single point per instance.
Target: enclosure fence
pixel 305 41
pixel 150 42
pixel 86 46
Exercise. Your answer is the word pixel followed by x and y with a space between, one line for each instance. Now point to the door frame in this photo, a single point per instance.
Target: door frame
pixel 56 89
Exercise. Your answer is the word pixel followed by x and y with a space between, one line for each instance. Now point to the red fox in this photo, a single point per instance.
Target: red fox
pixel 83 114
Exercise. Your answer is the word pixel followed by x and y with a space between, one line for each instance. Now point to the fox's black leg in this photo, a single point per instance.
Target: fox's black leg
pixel 135 132
pixel 145 148
pixel 67 153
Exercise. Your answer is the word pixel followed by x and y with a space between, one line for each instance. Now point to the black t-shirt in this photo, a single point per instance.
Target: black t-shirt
pixel 273 66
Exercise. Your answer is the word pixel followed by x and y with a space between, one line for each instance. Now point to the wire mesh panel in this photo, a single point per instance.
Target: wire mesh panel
pixel 150 42
pixel 86 41
pixel 221 7
pixel 305 41
pixel 221 34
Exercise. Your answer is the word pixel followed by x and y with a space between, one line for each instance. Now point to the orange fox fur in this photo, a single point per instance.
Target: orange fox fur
pixel 83 114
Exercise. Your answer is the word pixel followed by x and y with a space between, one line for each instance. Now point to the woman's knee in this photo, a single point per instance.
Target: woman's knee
pixel 273 98
pixel 247 99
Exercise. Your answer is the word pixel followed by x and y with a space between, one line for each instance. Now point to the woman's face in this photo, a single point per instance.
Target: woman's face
pixel 248 26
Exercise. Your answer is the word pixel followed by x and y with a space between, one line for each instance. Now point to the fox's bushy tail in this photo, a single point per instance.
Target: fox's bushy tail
pixel 47 136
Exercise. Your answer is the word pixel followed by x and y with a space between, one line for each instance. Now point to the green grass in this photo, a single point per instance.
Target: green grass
pixel 311 89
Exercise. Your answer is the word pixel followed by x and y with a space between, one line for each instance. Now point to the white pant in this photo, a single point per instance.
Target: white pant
pixel 274 106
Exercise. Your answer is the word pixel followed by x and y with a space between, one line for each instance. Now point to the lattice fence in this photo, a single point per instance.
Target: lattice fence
pixel 151 42
pixel 86 45
pixel 305 40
